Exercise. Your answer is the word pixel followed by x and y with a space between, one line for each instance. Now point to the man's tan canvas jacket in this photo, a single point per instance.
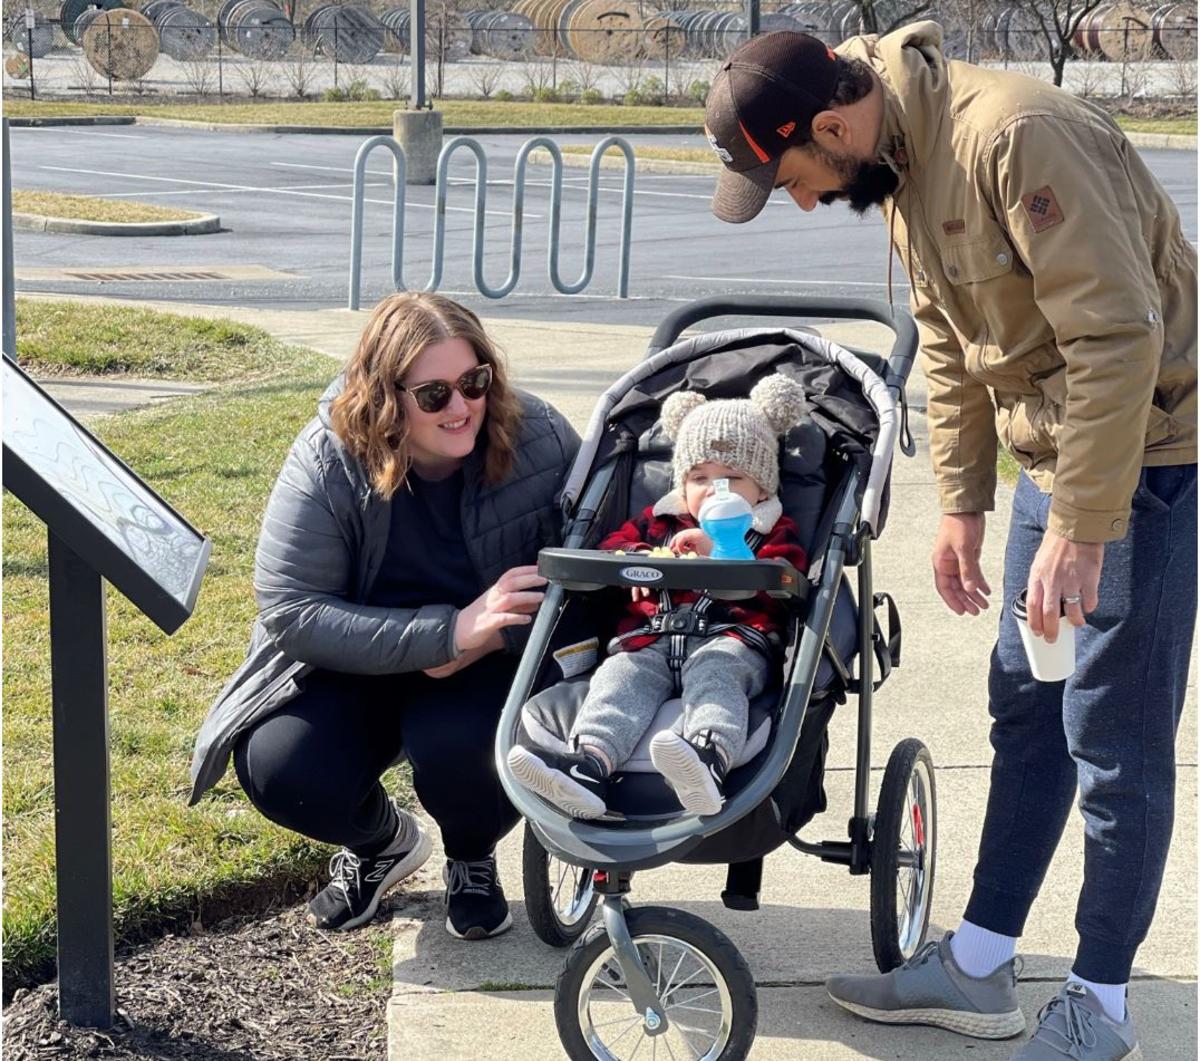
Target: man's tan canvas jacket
pixel 1053 289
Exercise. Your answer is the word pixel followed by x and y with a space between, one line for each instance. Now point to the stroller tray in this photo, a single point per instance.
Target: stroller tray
pixel 592 569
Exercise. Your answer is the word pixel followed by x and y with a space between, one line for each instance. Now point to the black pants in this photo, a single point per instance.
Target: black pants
pixel 314 765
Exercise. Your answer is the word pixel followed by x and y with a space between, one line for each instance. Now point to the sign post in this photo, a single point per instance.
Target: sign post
pixel 103 524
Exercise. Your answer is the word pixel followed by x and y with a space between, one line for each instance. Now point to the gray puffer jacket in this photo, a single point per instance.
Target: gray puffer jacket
pixel 323 541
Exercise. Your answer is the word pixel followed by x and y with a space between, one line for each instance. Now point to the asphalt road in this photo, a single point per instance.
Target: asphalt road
pixel 284 202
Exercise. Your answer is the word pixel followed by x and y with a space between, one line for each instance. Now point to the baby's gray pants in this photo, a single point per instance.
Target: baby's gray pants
pixel 720 676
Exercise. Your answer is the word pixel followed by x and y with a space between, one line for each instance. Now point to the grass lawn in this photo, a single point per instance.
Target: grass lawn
pixel 87 208
pixel 374 114
pixel 455 113
pixel 670 154
pixel 75 338
pixel 214 457
pixel 1007 468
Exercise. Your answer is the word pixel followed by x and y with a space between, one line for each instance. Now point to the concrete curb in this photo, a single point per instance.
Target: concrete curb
pixel 1163 141
pixel 1155 141
pixel 345 130
pixel 197 226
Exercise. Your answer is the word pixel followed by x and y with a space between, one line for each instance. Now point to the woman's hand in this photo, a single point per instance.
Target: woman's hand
pixel 510 602
pixel 465 659
pixel 692 540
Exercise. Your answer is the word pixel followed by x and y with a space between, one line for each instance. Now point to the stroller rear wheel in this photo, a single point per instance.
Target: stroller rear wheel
pixel 903 852
pixel 559 897
pixel 702 982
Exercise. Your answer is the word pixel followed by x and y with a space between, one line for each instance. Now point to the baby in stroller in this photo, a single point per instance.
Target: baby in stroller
pixel 727 651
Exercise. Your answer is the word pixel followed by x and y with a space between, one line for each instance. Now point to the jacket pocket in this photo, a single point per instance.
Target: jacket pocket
pixel 978 260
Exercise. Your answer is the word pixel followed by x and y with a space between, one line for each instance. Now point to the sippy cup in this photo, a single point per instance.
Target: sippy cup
pixel 726 517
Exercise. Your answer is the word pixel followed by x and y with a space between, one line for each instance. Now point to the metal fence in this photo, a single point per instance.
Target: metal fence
pixel 255 48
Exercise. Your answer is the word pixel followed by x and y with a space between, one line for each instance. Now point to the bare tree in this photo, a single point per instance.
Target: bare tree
pixel 485 77
pixel 962 21
pixel 1183 79
pixel 254 75
pixel 1087 77
pixel 882 16
pixel 585 74
pixel 1058 20
pixel 1135 67
pixel 85 74
pixel 300 70
pixel 395 81
pixel 200 75
pixel 537 76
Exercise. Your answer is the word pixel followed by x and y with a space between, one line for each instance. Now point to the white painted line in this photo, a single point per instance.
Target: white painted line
pixel 267 191
pixel 207 191
pixel 790 283
pixel 77 132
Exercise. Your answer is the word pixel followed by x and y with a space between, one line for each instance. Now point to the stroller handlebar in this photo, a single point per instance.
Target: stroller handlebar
pixel 900 359
pixel 591 569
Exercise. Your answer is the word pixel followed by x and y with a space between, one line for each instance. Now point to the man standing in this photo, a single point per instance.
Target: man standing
pixel 1056 300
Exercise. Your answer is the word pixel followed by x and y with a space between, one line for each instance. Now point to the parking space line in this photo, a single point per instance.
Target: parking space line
pixel 268 191
pixel 790 283
pixel 205 191
pixel 76 132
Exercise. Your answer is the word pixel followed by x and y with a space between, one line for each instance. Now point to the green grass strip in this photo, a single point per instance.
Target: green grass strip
pixel 76 338
pixel 374 114
pixel 214 456
pixel 89 208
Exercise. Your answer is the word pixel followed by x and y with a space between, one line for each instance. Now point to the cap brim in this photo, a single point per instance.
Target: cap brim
pixel 741 196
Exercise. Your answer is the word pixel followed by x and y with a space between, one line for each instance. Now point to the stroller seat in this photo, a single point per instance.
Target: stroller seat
pixel 639 791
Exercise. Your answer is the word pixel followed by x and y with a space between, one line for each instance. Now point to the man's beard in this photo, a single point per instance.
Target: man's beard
pixel 864 184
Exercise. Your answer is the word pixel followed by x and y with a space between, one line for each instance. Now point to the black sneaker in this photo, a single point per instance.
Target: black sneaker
pixel 357 884
pixel 475 903
pixel 574 781
pixel 694 769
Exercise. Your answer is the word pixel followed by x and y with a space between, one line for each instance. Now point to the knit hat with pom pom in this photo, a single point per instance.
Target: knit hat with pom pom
pixel 742 433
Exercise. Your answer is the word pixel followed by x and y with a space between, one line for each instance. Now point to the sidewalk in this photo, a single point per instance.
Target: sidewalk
pixel 493 999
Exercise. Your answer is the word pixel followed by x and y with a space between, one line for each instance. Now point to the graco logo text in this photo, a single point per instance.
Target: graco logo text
pixel 641 574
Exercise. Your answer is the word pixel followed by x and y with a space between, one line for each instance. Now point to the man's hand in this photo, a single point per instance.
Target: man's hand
pixel 1062 571
pixel 956 571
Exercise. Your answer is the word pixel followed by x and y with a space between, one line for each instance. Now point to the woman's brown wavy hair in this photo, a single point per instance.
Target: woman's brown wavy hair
pixel 368 416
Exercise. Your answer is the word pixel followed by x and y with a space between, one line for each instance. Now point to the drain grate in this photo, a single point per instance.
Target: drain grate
pixel 147 275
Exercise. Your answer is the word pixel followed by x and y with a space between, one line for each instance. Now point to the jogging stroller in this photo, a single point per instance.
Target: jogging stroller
pixel 654 972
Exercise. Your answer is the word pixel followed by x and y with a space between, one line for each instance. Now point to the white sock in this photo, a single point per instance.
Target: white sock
pixel 1111 996
pixel 980 952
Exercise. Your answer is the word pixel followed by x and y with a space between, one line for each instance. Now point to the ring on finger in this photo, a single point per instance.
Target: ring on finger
pixel 1072 600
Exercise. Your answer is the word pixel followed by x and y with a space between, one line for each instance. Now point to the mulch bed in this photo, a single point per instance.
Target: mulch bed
pixel 265 988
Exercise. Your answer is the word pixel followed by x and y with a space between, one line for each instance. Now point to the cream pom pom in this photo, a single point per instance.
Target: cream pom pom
pixel 781 401
pixel 676 408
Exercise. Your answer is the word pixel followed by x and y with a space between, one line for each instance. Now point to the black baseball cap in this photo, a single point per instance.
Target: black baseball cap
pixel 762 102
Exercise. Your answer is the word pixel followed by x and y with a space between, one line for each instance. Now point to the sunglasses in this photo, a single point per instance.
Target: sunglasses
pixel 434 396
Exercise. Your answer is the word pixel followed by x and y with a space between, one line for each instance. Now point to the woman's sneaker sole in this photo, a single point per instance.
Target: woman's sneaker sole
pixel 406 867
pixel 477 932
pixel 554 785
pixel 686 773
pixel 976 1025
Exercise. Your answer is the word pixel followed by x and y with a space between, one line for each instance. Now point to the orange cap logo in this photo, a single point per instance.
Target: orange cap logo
pixel 786 130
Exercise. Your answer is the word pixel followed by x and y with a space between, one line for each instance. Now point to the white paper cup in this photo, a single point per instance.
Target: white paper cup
pixel 1048 662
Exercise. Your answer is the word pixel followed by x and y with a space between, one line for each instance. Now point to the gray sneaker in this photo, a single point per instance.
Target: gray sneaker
pixel 930 988
pixel 1073 1024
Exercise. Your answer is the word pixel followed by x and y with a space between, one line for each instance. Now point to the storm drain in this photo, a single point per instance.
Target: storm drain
pixel 151 274
pixel 147 275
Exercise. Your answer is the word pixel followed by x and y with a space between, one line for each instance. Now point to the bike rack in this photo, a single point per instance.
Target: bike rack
pixel 519 169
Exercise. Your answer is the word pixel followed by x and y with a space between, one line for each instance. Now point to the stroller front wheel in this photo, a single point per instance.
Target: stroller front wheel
pixel 703 983
pixel 559 897
pixel 903 852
